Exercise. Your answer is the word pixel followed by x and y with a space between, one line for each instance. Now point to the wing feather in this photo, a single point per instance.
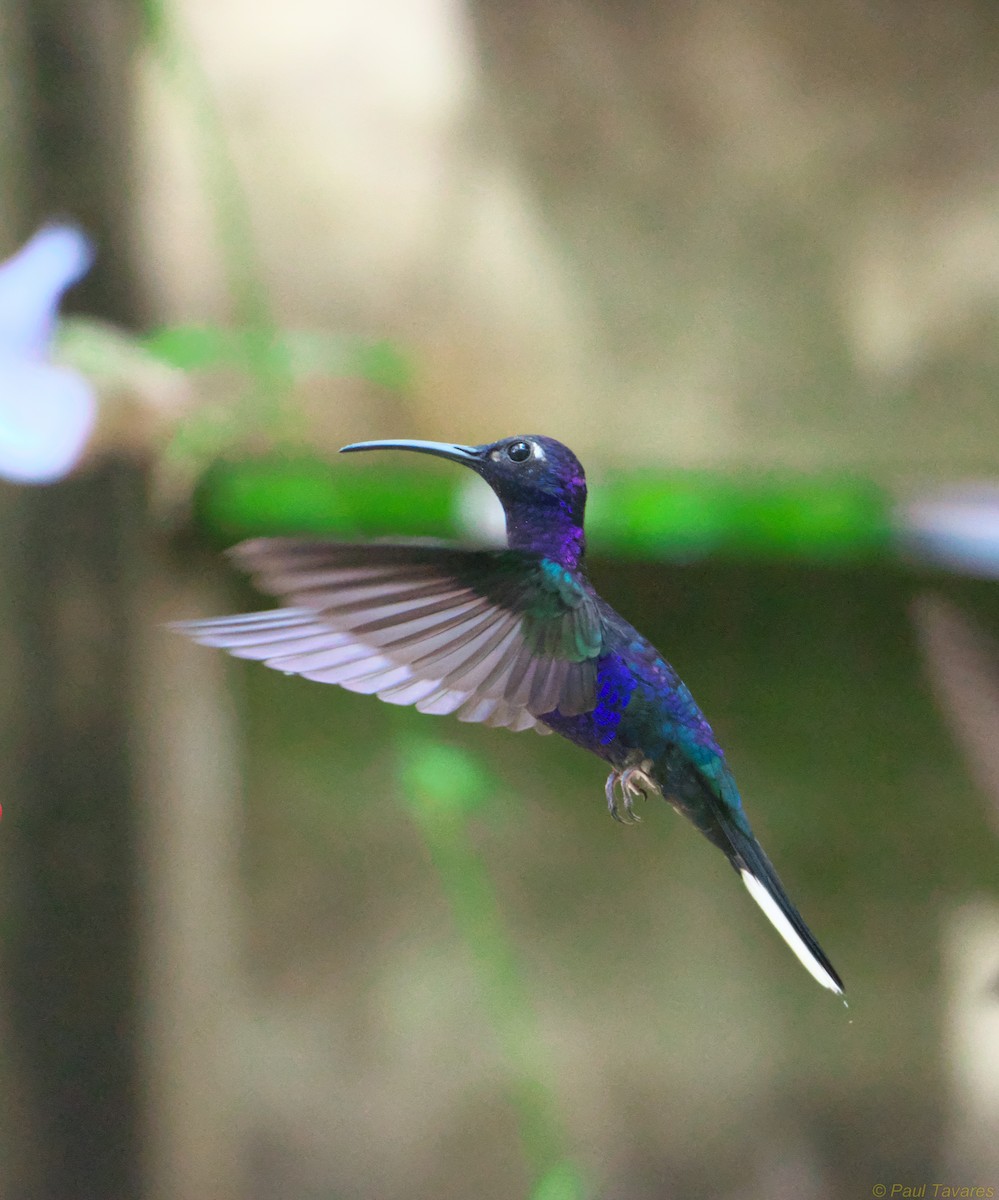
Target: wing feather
pixel 491 635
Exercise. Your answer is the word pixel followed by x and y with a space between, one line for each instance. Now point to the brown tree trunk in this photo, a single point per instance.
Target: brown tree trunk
pixel 70 557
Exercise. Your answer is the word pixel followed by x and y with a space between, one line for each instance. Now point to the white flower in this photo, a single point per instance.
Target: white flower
pixel 955 527
pixel 47 412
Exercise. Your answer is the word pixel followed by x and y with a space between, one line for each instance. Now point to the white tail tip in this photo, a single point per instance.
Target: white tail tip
pixel 788 933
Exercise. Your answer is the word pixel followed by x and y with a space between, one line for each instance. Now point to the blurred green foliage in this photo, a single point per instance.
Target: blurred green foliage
pixel 678 514
pixel 672 515
pixel 299 494
pixel 298 353
pixel 443 785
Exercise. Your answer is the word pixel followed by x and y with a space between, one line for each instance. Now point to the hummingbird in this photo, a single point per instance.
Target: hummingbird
pixel 514 637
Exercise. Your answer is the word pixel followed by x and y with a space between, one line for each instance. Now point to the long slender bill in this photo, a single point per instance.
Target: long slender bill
pixel 471 455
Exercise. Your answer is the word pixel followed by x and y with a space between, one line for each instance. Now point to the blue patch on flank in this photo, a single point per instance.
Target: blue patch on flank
pixel 615 683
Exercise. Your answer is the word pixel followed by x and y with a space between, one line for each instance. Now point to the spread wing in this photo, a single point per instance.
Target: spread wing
pixel 496 636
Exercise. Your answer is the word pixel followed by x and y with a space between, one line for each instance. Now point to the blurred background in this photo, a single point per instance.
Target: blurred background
pixel 262 938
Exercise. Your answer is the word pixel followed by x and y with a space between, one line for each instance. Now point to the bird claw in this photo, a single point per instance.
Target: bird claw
pixel 634 784
pixel 610 791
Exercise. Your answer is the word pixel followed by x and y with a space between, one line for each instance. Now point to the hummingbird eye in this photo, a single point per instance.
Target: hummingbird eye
pixel 518 452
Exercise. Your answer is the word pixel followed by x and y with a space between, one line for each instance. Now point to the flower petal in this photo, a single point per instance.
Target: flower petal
pixel 47 414
pixel 956 527
pixel 32 282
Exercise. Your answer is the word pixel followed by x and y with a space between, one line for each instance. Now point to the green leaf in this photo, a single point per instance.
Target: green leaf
pixel 196 347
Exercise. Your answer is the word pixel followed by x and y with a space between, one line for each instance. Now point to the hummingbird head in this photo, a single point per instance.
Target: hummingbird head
pixel 539 482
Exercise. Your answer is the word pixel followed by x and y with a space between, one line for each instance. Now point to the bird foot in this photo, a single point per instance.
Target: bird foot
pixel 634 784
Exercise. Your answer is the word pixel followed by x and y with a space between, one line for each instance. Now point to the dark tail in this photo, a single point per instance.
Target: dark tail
pixel 761 881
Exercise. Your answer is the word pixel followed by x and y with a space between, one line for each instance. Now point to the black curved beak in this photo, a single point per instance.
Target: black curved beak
pixel 470 455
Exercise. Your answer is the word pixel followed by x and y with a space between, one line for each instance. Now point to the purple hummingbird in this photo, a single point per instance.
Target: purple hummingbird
pixel 515 637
